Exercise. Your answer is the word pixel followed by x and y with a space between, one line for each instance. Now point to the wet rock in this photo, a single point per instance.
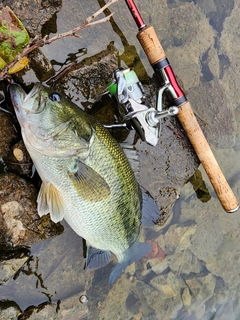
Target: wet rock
pixel 201 291
pixel 192 25
pixel 157 267
pixel 120 289
pixel 177 243
pixel 218 116
pixel 226 311
pixel 185 262
pixel 202 288
pixel 186 298
pixel 207 6
pixel 212 63
pixel 162 297
pixel 19 161
pixel 39 69
pixel 185 43
pixel 85 82
pixel 9 267
pixel 215 241
pixel 148 297
pixel 230 72
pixel 166 291
pixel 34 14
pixel 20 223
pixel 41 65
pixel 164 169
pixel 70 308
pixel 8 133
pixel 44 311
pixel 9 311
pixel 54 272
pixel 177 238
pixel 229 35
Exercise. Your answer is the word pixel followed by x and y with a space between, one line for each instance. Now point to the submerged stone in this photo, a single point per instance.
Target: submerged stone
pixel 20 223
pixel 8 133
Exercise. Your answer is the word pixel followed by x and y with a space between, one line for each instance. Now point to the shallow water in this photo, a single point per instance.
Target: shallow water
pixel 199 279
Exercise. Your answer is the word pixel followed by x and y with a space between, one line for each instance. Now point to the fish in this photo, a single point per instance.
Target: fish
pixel 87 178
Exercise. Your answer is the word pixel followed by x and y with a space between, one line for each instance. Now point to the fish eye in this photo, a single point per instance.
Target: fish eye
pixel 54 96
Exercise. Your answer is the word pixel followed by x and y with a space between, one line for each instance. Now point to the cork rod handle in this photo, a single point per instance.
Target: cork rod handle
pixel 155 53
pixel 205 155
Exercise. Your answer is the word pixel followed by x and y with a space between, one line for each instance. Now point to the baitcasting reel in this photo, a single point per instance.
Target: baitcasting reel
pixel 128 93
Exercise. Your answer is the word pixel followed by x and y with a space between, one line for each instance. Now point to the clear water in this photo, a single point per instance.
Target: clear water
pixel 199 279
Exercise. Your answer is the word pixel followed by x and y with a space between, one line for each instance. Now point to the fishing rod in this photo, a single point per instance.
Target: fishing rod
pixel 167 80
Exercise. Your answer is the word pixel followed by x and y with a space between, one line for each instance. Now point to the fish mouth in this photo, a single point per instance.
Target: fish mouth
pixel 19 96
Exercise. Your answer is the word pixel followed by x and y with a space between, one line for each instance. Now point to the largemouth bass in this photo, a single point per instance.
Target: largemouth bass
pixel 86 177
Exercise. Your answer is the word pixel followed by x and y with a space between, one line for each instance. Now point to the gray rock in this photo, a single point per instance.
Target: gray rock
pixel 34 13
pixel 218 117
pixel 226 311
pixel 18 160
pixel 20 223
pixel 84 82
pixel 8 133
pixel 9 312
pixel 9 267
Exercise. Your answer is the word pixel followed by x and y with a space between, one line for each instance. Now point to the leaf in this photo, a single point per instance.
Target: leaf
pixel 19 65
pixel 167 291
pixel 2 63
pixel 185 240
pixel 186 298
pixel 13 38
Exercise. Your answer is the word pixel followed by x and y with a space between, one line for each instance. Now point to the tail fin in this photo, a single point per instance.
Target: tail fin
pixel 134 253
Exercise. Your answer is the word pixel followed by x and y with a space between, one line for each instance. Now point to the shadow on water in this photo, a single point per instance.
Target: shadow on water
pixel 198 279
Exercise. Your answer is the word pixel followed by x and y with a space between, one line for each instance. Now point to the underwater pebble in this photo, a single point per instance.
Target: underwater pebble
pixel 186 298
pixel 83 298
pixel 18 154
pixel 18 160
pixel 10 313
pixel 7 133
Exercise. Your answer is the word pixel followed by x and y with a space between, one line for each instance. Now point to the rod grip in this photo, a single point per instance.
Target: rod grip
pixel 151 45
pixel 205 155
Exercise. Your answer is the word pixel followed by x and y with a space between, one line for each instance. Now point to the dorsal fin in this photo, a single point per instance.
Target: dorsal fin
pixel 131 154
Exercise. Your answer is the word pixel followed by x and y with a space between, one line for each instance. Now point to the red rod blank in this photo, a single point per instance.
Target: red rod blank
pixel 135 13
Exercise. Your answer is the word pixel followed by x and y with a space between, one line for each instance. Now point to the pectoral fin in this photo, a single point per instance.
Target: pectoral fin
pixel 90 185
pixel 50 201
